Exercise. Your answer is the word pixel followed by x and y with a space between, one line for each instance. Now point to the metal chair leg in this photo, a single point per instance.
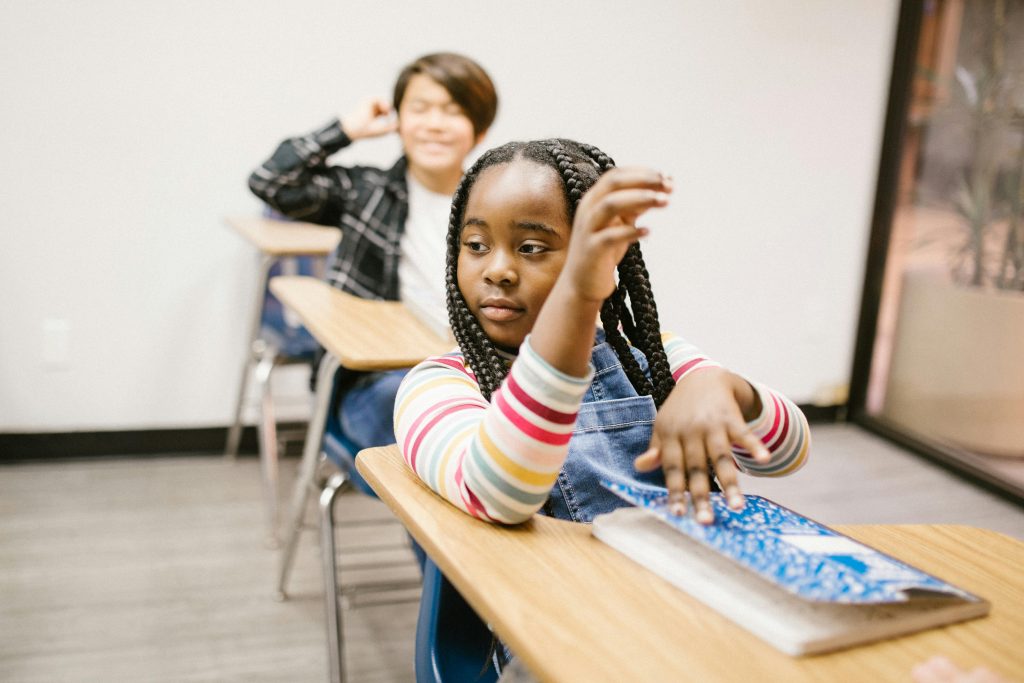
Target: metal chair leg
pixel 268 438
pixel 235 431
pixel 335 641
pixel 307 468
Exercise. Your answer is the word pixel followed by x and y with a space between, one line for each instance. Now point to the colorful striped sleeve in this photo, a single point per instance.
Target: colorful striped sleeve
pixel 495 461
pixel 781 425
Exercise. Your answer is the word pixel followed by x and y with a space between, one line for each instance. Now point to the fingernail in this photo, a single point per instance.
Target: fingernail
pixel 677 505
pixel 704 516
pixel 660 197
pixel 736 502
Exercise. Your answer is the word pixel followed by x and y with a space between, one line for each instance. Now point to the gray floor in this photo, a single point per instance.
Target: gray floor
pixel 156 569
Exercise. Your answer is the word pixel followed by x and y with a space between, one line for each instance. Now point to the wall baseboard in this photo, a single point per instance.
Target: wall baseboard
pixel 130 443
pixel 824 414
pixel 198 441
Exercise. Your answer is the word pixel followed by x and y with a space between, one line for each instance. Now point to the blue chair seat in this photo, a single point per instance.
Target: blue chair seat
pixel 341 451
pixel 290 339
pixel 452 644
pixel 294 343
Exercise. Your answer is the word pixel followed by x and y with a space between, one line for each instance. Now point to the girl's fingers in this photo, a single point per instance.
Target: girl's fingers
pixel 649 460
pixel 623 177
pixel 697 478
pixel 741 435
pixel 720 455
pixel 618 180
pixel 673 466
pixel 610 237
pixel 627 204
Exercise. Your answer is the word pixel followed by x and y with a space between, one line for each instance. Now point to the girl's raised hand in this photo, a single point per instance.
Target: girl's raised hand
pixel 605 226
pixel 704 415
pixel 371 118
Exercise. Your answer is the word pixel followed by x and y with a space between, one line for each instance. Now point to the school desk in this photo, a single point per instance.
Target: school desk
pixel 357 334
pixel 275 240
pixel 575 609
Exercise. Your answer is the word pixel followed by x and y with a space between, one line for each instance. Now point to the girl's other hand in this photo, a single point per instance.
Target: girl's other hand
pixel 699 422
pixel 372 118
pixel 605 226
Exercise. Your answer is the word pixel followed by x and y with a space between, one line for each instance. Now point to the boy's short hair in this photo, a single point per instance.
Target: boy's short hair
pixel 465 80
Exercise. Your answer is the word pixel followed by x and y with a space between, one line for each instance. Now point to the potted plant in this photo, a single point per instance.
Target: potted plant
pixel 957 369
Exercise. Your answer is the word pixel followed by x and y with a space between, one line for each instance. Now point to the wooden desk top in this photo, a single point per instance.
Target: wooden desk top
pixel 576 610
pixel 361 334
pixel 286 238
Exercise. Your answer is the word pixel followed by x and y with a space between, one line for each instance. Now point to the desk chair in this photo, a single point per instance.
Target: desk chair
pixel 274 340
pixel 452 644
pixel 362 335
pixel 326 442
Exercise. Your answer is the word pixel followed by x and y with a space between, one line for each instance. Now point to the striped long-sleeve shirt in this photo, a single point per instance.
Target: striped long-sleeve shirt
pixel 498 460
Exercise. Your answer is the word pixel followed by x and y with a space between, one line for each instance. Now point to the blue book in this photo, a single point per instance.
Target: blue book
pixel 801 586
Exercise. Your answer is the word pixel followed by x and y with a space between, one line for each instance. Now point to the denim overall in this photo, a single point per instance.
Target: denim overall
pixel 613 427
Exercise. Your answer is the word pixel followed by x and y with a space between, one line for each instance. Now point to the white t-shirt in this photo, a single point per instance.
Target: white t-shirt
pixel 421 264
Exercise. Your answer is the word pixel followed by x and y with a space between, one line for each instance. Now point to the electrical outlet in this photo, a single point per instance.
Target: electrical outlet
pixel 56 344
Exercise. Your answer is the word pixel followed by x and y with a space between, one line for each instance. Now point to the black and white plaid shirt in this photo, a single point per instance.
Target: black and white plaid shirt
pixel 370 206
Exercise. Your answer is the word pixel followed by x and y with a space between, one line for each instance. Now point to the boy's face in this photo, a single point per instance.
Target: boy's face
pixel 436 134
pixel 514 241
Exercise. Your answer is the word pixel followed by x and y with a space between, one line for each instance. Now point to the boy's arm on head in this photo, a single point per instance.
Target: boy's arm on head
pixel 780 425
pixel 496 461
pixel 296 180
pixel 371 118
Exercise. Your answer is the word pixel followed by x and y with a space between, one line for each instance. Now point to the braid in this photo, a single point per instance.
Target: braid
pixel 579 165
pixel 610 318
pixel 479 352
pixel 646 334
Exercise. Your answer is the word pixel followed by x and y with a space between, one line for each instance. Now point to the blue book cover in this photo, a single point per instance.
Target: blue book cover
pixel 799 555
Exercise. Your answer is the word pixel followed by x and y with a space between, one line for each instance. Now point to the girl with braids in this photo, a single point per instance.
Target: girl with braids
pixel 538 404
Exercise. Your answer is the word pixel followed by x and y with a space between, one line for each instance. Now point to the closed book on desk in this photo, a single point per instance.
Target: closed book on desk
pixel 798 585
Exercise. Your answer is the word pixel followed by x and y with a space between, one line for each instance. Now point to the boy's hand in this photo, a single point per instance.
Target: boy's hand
pixel 605 226
pixel 372 118
pixel 698 423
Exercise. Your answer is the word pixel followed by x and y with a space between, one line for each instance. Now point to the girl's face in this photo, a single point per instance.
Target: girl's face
pixel 515 236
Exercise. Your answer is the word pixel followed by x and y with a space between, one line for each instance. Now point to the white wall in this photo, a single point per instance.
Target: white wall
pixel 129 128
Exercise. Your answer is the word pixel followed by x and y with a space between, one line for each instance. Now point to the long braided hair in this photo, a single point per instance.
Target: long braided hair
pixel 630 306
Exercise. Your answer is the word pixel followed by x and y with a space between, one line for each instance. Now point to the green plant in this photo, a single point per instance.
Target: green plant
pixel 990 195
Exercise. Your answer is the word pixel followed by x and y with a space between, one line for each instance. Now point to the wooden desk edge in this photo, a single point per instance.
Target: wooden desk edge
pixel 283 285
pixel 327 238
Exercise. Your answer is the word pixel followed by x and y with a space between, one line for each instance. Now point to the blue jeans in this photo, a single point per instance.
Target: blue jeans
pixel 366 415
pixel 366 410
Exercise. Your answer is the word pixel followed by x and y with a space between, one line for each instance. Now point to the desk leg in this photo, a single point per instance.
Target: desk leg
pixel 335 640
pixel 235 431
pixel 307 468
pixel 268 437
